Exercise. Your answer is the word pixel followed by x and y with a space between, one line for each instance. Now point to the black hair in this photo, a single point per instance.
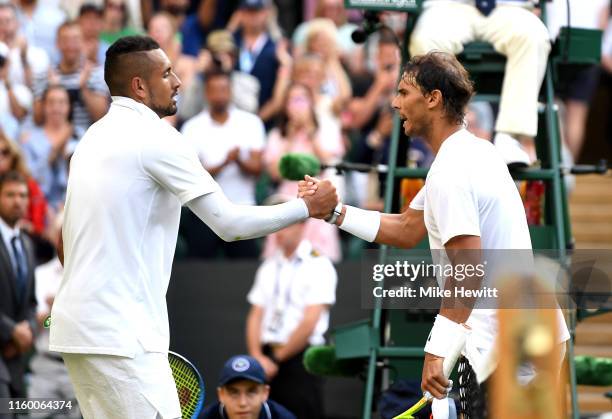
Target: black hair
pixel 12 176
pixel 90 8
pixel 116 73
pixel 216 71
pixel 441 71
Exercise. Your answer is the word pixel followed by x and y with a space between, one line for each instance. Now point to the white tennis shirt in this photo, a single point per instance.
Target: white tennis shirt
pixel 469 191
pixel 129 176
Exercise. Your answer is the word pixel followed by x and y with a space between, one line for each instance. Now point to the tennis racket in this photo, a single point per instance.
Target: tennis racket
pixel 447 366
pixel 189 385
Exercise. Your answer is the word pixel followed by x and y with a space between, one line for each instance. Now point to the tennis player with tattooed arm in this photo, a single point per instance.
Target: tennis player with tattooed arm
pixel 469 204
pixel 130 174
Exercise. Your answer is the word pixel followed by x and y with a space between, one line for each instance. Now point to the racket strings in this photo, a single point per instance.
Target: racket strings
pixel 472 396
pixel 187 386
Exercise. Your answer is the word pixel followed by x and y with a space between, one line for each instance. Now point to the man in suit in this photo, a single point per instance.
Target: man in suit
pixel 17 299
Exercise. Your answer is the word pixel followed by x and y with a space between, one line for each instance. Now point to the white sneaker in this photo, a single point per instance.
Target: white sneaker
pixel 511 150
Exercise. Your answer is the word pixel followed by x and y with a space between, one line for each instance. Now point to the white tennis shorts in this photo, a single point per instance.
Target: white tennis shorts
pixel 116 387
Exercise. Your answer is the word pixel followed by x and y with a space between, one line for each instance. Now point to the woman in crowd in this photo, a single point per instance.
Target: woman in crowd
pixel 12 159
pixel 45 147
pixel 298 131
pixel 116 20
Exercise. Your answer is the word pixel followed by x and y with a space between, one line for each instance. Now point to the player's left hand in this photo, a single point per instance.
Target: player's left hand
pixel 433 379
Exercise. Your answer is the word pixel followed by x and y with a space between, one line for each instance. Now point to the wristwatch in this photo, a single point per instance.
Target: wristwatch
pixel 335 214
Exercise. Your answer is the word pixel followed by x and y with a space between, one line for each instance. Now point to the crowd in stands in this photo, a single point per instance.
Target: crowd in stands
pixel 282 79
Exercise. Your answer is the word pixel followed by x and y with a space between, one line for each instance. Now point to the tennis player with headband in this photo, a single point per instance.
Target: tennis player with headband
pixel 469 202
pixel 130 174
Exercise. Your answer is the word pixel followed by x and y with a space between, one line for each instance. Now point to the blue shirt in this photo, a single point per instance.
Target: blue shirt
pixel 51 176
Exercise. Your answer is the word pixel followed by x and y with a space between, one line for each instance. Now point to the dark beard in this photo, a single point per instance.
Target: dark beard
pixel 218 109
pixel 168 110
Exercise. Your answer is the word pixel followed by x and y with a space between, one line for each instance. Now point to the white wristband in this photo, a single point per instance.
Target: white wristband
pixel 361 223
pixel 446 339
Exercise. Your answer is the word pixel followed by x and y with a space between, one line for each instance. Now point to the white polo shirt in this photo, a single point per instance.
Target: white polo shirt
pixel 469 191
pixel 213 141
pixel 129 176
pixel 285 287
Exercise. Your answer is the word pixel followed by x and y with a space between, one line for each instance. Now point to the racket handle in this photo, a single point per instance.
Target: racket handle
pixel 439 408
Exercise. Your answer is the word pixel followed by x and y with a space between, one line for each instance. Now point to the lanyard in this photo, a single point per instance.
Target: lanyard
pixel 277 283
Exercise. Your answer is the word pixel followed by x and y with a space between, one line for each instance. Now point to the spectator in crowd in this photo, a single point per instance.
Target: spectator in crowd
pixel 83 79
pixel 9 127
pixel 45 147
pixel 17 299
pixel 39 22
pixel 256 48
pixel 91 21
pixel 116 21
pixel 243 393
pixel 373 91
pixel 290 303
pixel 298 130
pixel 195 27
pixel 134 8
pixel 370 118
pixel 480 120
pixel 161 28
pixel 229 143
pixel 24 59
pixel 11 159
pixel 321 40
pixel 49 377
pixel 15 98
pixel 335 12
pixel 309 70
pixel 448 25
pixel 220 51
pixel 177 9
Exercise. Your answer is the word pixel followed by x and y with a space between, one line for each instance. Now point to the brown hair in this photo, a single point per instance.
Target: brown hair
pixel 441 71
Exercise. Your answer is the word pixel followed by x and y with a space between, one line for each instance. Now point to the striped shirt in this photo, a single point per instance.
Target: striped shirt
pixel 80 116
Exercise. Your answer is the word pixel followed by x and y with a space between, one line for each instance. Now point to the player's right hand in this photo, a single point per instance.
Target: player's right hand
pixel 433 379
pixel 322 202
